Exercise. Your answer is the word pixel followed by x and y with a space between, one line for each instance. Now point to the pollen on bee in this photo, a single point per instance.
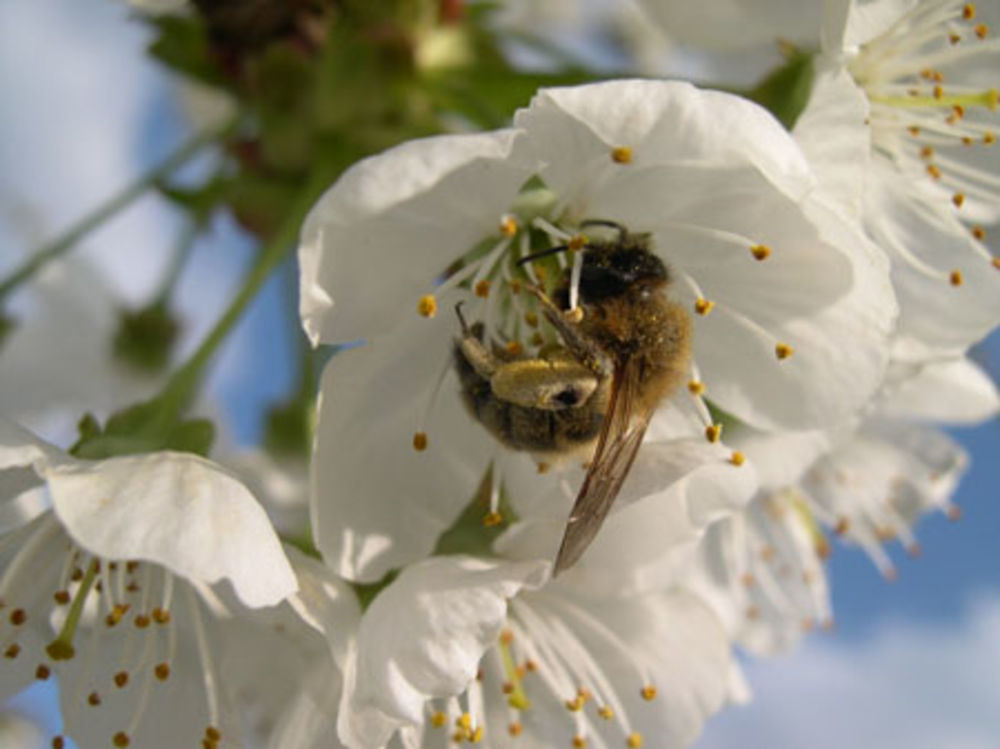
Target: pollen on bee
pixel 955 278
pixel 420 441
pixel 508 226
pixel 783 350
pixel 634 740
pixel 648 692
pixel 713 432
pixel 760 251
pixel 696 388
pixel 492 519
pixel 427 306
pixel 958 199
pixel 482 288
pixel 703 306
pixel 737 458
pixel 622 155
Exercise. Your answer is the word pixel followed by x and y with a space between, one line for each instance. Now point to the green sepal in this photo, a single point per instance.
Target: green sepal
pixel 785 91
pixel 142 428
pixel 198 202
pixel 368 592
pixel 145 337
pixel 182 44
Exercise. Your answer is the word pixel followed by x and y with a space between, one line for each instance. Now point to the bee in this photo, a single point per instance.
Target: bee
pixel 596 390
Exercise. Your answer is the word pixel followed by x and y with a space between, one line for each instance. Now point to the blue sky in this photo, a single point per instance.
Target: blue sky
pixel 909 662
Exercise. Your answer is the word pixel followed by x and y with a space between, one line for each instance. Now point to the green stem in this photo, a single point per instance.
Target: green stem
pixel 184 381
pixel 119 201
pixel 185 244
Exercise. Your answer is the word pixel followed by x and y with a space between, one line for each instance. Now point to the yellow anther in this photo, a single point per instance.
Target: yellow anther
pixel 12 651
pixel 482 288
pixel 634 740
pixel 464 721
pixel 958 110
pixel 420 441
pixel 913 130
pixel 574 705
pixel 783 350
pixel 760 251
pixel 967 140
pixel 438 719
pixel 116 614
pixel 938 92
pixel 748 580
pixel 427 306
pixel 508 226
pixel 121 679
pixel 954 38
pixel 574 315
pixel 476 735
pixel 530 665
pixel 648 692
pixel 843 525
pixel 61 597
pixel 506 637
pixel 543 467
pixel 955 278
pixel 737 458
pixel 713 432
pixel 969 11
pixel 514 348
pixel 121 740
pixel 579 742
pixel 141 621
pixel 161 616
pixel 18 617
pixel 515 729
pixel 622 155
pixel 989 138
pixel 94 699
pixel 979 233
pixel 577 242
pixel 695 387
pixel 606 712
pixel 162 671
pixel 982 30
pixel 703 306
pixel 537 339
pixel 492 519
pixel 996 262
pixel 58 742
pixel 531 318
pixel 583 693
pixel 926 152
pixel 958 199
pixel 43 672
pixel 934 171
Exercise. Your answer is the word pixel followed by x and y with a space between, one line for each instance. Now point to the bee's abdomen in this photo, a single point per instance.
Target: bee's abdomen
pixel 522 428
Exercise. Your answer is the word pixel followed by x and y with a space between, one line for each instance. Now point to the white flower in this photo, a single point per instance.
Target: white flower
pixel 489 655
pixel 115 590
pixel 896 127
pixel 790 314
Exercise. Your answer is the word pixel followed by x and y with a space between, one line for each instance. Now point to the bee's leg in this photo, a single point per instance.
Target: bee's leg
pixel 585 350
pixel 479 357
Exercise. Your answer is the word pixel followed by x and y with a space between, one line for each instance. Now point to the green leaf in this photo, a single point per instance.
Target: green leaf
pixel 785 91
pixel 182 44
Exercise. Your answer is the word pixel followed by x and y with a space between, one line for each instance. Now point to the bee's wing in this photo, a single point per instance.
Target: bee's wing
pixel 618 443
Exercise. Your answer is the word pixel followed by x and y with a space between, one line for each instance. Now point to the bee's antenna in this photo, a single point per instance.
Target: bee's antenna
pixel 622 231
pixel 461 317
pixel 543 253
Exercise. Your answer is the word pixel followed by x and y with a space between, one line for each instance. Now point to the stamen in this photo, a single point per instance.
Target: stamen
pixel 696 388
pixel 713 432
pixel 427 306
pixel 737 458
pixel 760 251
pixel 420 441
pixel 508 226
pixel 206 659
pixel 955 278
pixel 622 155
pixel 783 350
pixel 703 306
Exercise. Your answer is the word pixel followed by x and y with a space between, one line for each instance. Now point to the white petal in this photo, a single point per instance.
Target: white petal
pixel 950 392
pixel 396 220
pixel 19 448
pixel 780 458
pixel 573 131
pixel 833 132
pixel 451 610
pixel 673 492
pixel 865 21
pixel 178 510
pixel 377 502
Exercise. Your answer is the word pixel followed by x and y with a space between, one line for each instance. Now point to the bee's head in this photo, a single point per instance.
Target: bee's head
pixel 612 268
